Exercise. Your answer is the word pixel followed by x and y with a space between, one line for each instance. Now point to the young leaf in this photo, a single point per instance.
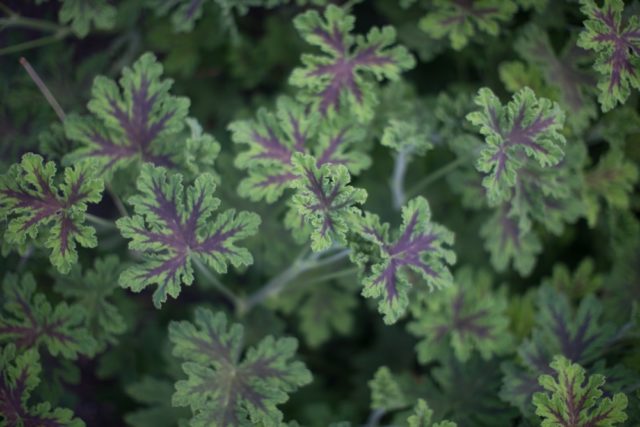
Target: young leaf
pixel 273 138
pixel 525 127
pixel 138 122
pixel 420 248
pixel 386 392
pixel 81 14
pixel 29 321
pixel 577 335
pixel 468 316
pixel 460 19
pixel 325 200
pixel 582 282
pixel 19 376
pixel 570 399
pixel 93 290
pixel 337 77
pixel 616 41
pixel 225 389
pixel 35 203
pixel 174 226
pixel 422 415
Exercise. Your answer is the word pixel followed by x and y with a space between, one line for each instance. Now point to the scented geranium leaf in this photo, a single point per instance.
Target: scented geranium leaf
pixel 140 121
pixel 38 204
pixel 93 290
pixel 273 138
pixel 19 376
pixel 509 241
pixel 422 415
pixel 325 200
pixel 419 247
pixel 469 316
pixel 82 14
pixel 342 74
pixel 571 398
pixel 577 334
pixel 229 387
pixel 386 393
pixel 564 72
pixel 174 226
pixel 616 41
pixel 525 127
pixel 582 282
pixel 612 180
pixel 460 19
pixel 29 321
pixel 407 136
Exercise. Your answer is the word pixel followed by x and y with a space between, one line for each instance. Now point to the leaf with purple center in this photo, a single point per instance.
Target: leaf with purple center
pixel 343 75
pixel 616 40
pixel 229 386
pixel 419 251
pixel 42 209
pixel 563 71
pixel 324 201
pixel 273 138
pixel 140 121
pixel 527 127
pixel 573 398
pixel 460 19
pixel 577 334
pixel 173 227
pixel 467 317
pixel 19 377
pixel 29 321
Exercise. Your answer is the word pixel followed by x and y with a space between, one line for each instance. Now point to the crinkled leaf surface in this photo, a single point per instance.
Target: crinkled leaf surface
pixel 29 321
pixel 419 248
pixel 422 415
pixel 460 19
pixel 386 393
pixel 36 204
pixel 573 399
pixel 19 376
pixel 225 387
pixel 343 74
pixel 616 40
pixel 174 226
pixel 468 316
pixel 325 201
pixel 525 127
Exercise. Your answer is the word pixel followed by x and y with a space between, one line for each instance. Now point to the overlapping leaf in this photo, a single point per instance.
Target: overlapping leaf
pixel 573 399
pixel 527 127
pixel 174 227
pixel 469 316
pixel 29 321
pixel 81 15
pixel 41 207
pixel 325 201
pixel 460 19
pixel 225 388
pixel 19 376
pixel 420 248
pixel 616 41
pixel 343 74
pixel 273 138
pixel 140 121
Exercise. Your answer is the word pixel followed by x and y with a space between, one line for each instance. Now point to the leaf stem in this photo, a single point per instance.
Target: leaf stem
pixel 43 89
pixel 375 417
pixel 42 41
pixel 204 270
pixel 397 180
pixel 100 222
pixel 435 176
pixel 332 275
pixel 278 283
pixel 15 20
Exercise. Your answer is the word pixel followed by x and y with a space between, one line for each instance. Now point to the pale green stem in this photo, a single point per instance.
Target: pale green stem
pixel 42 41
pixel 397 180
pixel 100 222
pixel 204 270
pixel 436 175
pixel 43 89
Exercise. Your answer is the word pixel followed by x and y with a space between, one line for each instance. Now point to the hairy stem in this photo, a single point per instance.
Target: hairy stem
pixel 204 270
pixel 100 222
pixel 436 175
pixel 397 179
pixel 43 89
pixel 278 283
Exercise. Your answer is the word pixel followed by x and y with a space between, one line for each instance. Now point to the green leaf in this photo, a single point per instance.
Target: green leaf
pixel 82 14
pixel 19 376
pixel 525 127
pixel 225 388
pixel 418 252
pixel 29 321
pixel 174 226
pixel 386 392
pixel 422 417
pixel 468 316
pixel 36 204
pixel 325 201
pixel 572 399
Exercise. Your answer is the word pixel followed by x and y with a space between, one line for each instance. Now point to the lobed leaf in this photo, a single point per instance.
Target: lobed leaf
pixel 173 227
